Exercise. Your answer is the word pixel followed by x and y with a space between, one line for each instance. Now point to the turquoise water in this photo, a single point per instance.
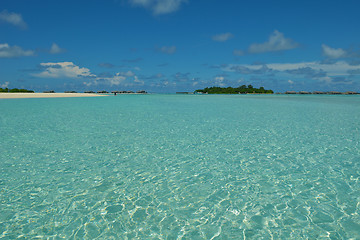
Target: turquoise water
pixel 180 167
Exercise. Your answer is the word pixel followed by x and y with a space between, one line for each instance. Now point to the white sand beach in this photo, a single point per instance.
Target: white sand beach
pixel 47 95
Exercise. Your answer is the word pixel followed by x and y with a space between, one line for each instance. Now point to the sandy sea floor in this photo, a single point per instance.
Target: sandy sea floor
pixel 175 166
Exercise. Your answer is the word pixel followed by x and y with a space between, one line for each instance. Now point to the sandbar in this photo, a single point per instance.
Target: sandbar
pixel 48 95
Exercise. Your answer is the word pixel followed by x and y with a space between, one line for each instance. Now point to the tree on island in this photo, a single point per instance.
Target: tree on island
pixel 15 90
pixel 230 90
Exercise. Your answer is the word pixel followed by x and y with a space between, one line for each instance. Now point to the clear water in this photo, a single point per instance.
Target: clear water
pixel 180 167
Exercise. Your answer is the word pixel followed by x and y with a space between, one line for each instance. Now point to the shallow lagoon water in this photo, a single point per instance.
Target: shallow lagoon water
pixel 180 167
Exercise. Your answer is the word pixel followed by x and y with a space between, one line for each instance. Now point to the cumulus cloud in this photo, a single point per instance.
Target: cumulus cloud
pixel 5 85
pixel 63 69
pixel 159 7
pixel 333 52
pixel 276 42
pixel 138 81
pixel 167 49
pixel 222 37
pixel 70 70
pixel 7 51
pixel 12 18
pixel 56 49
pixel 219 81
pixel 127 74
pixel 114 80
pixel 251 70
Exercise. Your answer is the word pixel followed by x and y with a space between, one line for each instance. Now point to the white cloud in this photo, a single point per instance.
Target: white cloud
pixel 7 51
pixel 290 81
pixel 128 73
pixel 138 81
pixel 63 69
pixel 276 42
pixel 12 18
pixel 326 79
pixel 5 85
pixel 56 49
pixel 114 80
pixel 88 84
pixel 121 78
pixel 70 70
pixel 159 7
pixel 219 81
pixel 167 49
pixel 222 37
pixel 333 52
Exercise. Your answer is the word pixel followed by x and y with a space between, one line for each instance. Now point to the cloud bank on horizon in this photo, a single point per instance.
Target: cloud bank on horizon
pixel 170 47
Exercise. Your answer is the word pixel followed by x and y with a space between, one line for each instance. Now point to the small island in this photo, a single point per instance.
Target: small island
pixel 15 90
pixel 230 90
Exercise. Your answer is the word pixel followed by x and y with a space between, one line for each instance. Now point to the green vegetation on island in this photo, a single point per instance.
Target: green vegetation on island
pixel 15 90
pixel 230 90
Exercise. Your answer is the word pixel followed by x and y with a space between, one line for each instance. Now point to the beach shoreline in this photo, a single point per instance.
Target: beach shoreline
pixel 47 95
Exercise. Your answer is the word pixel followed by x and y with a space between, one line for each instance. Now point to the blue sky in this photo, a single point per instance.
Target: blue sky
pixel 179 45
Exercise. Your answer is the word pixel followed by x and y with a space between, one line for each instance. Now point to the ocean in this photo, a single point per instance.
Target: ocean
pixel 162 166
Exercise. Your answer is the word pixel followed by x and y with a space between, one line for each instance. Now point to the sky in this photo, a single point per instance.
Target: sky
pixel 165 46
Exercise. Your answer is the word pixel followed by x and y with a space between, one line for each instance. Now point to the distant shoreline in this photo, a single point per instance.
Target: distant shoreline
pixel 47 95
pixel 69 95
